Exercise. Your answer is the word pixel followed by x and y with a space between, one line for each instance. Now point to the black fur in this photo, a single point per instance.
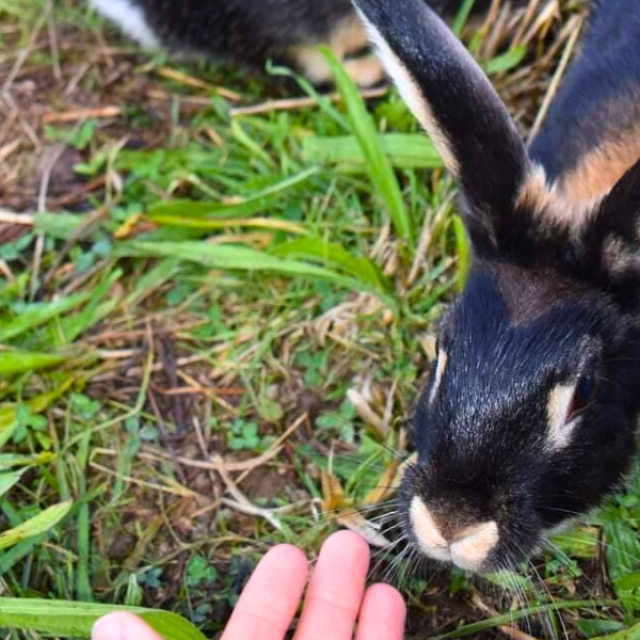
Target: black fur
pixel 251 31
pixel 482 443
pixel 478 129
pixel 243 30
pixel 548 300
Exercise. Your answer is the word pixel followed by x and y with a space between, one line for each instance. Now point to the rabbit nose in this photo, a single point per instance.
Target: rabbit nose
pixel 468 548
pixel 472 546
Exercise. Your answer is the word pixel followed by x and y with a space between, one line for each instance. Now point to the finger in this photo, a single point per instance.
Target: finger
pixel 383 614
pixel 122 626
pixel 270 599
pixel 336 589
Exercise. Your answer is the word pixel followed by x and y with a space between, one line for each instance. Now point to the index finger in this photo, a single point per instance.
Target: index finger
pixel 270 599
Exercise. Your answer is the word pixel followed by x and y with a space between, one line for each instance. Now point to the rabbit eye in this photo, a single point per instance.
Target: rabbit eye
pixel 583 395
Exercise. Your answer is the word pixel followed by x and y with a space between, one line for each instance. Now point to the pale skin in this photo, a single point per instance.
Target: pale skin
pixel 337 604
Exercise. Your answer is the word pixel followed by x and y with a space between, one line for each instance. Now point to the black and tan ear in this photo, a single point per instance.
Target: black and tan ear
pixel 610 241
pixel 453 99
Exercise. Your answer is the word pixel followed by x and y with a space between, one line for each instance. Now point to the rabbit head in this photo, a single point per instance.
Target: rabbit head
pixel 529 415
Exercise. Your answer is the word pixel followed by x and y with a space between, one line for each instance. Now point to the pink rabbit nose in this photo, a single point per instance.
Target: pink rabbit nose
pixel 467 548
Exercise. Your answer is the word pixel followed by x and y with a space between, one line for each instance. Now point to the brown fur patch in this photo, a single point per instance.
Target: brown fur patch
pixel 366 71
pixel 616 151
pixel 311 63
pixel 549 203
pixel 535 194
pixel 528 296
pixel 574 196
pixel 600 169
pixel 347 38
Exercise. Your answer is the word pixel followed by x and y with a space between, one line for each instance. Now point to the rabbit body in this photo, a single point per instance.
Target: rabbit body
pixel 251 32
pixel 530 412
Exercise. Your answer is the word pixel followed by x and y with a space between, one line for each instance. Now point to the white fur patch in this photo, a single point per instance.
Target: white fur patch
pixel 472 547
pixel 469 549
pixel 441 365
pixel 430 539
pixel 411 94
pixel 312 63
pixel 366 71
pixel 130 18
pixel 558 405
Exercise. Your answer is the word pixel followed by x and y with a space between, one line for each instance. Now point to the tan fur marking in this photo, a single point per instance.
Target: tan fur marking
pixel 536 193
pixel 472 546
pixel 312 63
pixel 600 169
pixel 348 36
pixel 441 365
pixel 616 122
pixel 366 71
pixel 346 39
pixel 559 435
pixel 550 203
pixel 429 537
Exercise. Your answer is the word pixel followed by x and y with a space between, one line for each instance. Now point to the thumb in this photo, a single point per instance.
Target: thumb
pixel 122 626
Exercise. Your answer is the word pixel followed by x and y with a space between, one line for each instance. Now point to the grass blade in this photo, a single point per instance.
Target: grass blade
pixel 513 616
pixel 380 168
pixel 9 480
pixel 462 16
pixel 209 224
pixel 35 526
pixel 404 150
pixel 58 225
pixel 83 578
pixel 633 633
pixel 463 249
pixel 257 203
pixel 76 619
pixel 73 327
pixel 506 61
pixel 234 257
pixel 623 548
pixel 39 314
pixel 20 361
pixel 336 256
pixel 245 139
pixel 8 412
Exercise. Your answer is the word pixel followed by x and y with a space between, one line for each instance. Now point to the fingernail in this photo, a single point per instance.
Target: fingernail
pixel 108 628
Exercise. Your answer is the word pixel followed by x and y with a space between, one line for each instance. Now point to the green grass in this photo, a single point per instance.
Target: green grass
pixel 226 277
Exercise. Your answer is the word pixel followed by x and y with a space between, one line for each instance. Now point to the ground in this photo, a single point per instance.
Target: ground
pixel 215 321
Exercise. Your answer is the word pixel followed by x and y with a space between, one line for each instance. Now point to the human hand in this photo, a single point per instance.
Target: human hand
pixel 335 601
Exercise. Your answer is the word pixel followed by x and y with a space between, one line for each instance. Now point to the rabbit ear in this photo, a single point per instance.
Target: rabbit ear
pixel 610 242
pixel 454 101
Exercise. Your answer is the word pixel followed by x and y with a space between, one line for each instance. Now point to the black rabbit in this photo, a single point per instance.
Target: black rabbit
pixel 252 31
pixel 530 414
